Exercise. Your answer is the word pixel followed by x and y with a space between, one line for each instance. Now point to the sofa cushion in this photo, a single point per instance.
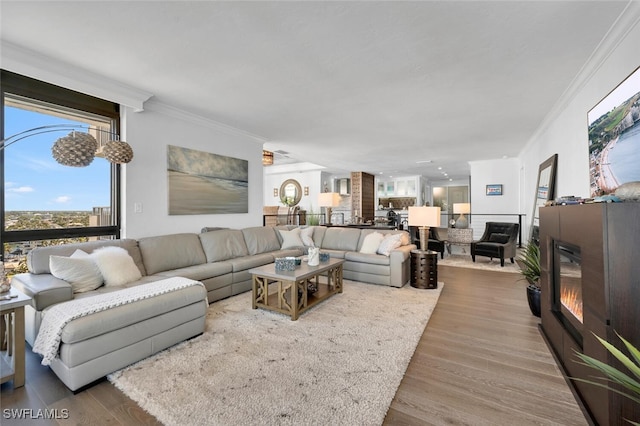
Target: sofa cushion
pixel 261 239
pixel 306 235
pixel 248 262
pixel 223 244
pixel 291 239
pixel 199 272
pixel 341 239
pixel 116 266
pixel 371 259
pixel 79 271
pixel 499 238
pixel 38 258
pixel 371 243
pixel 173 251
pixel 389 243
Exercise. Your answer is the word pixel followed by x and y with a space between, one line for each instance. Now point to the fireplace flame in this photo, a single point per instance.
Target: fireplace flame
pixel 572 300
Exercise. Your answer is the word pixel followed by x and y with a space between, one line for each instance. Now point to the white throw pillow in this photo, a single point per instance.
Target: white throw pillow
pixel 78 270
pixel 371 243
pixel 116 265
pixel 306 235
pixel 291 239
pixel 389 243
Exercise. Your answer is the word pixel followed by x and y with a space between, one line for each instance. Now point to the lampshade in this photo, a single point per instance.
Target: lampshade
pixel 118 152
pixel 267 158
pixel 424 216
pixel 77 149
pixel 461 208
pixel 329 199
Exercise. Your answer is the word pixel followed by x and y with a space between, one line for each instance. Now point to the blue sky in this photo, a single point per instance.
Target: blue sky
pixel 35 181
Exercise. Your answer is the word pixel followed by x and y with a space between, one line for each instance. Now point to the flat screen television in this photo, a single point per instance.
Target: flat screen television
pixel 614 137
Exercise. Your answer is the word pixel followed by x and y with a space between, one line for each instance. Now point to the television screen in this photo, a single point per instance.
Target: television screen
pixel 614 138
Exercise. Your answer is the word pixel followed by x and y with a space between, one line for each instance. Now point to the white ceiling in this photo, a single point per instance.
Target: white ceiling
pixel 353 86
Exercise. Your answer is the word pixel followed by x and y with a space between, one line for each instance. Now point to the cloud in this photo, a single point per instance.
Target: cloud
pixel 62 199
pixel 21 189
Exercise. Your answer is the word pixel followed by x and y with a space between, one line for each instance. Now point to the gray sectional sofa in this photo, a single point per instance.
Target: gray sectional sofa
pixel 219 259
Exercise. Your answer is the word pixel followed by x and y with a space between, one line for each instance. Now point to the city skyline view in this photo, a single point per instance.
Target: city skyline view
pixel 34 181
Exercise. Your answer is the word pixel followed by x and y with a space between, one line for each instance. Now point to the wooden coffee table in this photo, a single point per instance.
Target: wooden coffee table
pixel 288 292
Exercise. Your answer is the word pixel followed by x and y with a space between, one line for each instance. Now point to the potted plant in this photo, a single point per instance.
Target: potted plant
pixel 530 269
pixel 629 383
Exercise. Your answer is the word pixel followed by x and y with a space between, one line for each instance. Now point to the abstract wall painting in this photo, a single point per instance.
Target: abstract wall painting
pixel 203 183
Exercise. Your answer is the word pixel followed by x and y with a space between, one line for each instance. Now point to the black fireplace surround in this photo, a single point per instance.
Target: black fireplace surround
pixel 590 270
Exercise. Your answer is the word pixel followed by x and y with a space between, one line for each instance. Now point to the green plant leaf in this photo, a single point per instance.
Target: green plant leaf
pixel 635 369
pixel 635 353
pixel 611 373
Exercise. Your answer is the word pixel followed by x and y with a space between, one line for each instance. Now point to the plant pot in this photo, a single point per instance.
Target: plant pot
pixel 533 297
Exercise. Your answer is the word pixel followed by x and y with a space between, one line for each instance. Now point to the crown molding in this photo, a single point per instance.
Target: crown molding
pixel 41 67
pixel 626 22
pixel 166 109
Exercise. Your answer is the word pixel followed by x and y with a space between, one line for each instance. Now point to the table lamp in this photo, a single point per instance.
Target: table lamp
pixel 424 217
pixel 328 200
pixel 461 209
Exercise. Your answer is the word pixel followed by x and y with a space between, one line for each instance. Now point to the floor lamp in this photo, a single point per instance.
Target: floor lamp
pixel 424 217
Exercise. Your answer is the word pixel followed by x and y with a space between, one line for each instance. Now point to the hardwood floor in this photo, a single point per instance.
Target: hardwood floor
pixel 481 361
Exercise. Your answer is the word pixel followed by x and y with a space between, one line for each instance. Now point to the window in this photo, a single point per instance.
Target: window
pixel 43 202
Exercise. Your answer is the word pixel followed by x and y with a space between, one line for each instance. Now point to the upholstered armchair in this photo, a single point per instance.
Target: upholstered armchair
pixel 434 243
pixel 499 240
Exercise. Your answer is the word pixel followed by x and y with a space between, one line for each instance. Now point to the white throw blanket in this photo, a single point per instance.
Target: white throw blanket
pixel 58 316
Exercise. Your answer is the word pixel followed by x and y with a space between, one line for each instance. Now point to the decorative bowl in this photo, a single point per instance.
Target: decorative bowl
pixel 285 264
pixel 324 257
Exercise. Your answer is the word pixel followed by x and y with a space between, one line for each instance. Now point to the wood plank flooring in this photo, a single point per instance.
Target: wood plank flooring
pixel 481 361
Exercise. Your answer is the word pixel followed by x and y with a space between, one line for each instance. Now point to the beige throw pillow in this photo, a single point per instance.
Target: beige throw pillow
pixel 371 243
pixel 389 243
pixel 306 235
pixel 291 239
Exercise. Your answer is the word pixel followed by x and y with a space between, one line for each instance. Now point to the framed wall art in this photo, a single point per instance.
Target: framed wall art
pixel 204 183
pixel 495 189
pixel 614 138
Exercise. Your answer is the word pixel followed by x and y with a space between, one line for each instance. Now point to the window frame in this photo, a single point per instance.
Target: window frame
pixel 17 84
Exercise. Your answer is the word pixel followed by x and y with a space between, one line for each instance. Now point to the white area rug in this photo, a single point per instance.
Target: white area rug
pixel 488 264
pixel 339 363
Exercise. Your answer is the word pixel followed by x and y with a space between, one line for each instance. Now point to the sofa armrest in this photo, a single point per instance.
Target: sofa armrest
pixel 44 289
pixel 400 265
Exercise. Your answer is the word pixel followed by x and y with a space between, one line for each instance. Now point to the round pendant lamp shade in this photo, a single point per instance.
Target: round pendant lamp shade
pixel 77 149
pixel 118 152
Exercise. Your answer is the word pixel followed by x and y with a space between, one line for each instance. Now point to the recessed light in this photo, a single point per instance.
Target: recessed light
pixel 439 168
pixel 450 180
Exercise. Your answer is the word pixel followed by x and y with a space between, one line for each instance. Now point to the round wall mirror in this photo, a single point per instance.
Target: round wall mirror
pixel 290 192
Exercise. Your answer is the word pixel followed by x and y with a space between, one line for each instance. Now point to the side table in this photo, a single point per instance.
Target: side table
pixel 424 269
pixel 12 336
pixel 459 237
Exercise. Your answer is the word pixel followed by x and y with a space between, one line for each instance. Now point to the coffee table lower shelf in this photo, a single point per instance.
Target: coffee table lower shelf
pixel 288 292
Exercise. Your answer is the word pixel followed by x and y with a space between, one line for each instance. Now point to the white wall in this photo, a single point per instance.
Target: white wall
pixel 505 172
pixel 564 131
pixel 145 178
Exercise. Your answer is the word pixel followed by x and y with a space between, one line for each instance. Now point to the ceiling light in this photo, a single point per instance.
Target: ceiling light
pixel 267 158
pixel 424 161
